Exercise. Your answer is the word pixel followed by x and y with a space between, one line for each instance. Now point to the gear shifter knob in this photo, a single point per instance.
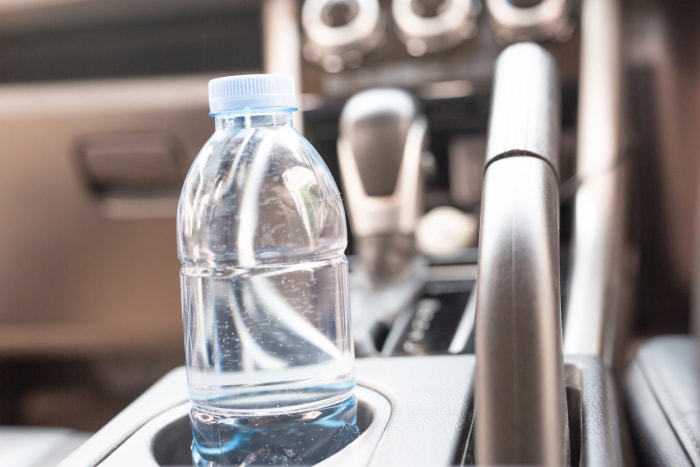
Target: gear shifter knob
pixel 382 139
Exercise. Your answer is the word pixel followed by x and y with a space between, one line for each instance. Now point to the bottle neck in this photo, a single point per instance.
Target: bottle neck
pixel 254 119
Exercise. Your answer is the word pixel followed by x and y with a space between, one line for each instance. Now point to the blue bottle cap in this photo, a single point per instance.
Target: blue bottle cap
pixel 232 93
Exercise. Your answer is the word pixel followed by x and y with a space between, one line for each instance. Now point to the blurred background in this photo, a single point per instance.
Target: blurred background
pixel 103 105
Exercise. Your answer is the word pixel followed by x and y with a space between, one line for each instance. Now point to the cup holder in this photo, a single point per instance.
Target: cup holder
pixel 168 437
pixel 171 444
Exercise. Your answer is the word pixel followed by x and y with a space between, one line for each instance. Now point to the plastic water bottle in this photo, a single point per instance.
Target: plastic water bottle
pixel 262 238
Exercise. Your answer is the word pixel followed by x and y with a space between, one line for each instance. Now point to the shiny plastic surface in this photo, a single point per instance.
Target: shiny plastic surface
pixel 261 235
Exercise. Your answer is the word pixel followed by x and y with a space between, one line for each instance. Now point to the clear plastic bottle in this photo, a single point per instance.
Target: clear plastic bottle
pixel 262 238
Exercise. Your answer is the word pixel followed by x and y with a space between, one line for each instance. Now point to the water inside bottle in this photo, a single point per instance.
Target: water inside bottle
pixel 270 368
pixel 302 438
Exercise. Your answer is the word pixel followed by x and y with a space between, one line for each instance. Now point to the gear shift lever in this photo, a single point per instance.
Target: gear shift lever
pixel 382 139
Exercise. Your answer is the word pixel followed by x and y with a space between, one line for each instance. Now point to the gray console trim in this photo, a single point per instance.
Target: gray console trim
pixel 421 408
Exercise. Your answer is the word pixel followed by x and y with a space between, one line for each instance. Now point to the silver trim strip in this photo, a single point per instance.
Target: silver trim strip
pixel 595 275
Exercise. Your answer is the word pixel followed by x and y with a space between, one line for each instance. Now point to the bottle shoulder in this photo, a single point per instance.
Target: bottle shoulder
pixel 257 195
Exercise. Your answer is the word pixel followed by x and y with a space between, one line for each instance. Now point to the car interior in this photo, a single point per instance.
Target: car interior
pixel 520 179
